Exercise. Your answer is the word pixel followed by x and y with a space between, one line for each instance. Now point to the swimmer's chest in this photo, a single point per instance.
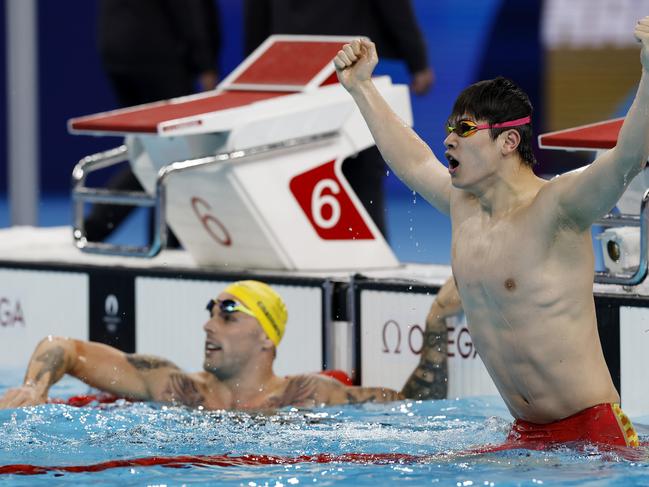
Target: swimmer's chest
pixel 499 255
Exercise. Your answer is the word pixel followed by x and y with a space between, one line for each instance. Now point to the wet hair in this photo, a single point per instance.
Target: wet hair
pixel 495 101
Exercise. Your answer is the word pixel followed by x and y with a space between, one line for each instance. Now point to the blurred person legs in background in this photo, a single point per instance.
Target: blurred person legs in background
pixel 152 50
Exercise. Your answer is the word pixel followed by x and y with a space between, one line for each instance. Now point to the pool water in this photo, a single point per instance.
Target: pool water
pixel 416 443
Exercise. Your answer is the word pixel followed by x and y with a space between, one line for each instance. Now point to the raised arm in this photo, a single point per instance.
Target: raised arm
pixel 96 364
pixel 584 196
pixel 429 380
pixel 408 156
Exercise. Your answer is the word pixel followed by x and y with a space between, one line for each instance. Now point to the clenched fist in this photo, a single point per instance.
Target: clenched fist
pixel 642 34
pixel 355 63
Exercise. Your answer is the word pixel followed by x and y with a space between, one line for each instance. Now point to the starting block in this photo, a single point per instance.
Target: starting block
pixel 249 175
pixel 626 240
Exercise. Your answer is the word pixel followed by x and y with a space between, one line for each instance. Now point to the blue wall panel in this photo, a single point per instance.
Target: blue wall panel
pixel 3 104
pixel 71 84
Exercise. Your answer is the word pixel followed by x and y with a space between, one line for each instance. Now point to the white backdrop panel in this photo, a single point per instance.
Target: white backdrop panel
pixel 392 325
pixel 634 359
pixel 34 304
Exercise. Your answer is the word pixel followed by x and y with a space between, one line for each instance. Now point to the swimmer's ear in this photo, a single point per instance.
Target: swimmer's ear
pixel 267 343
pixel 511 141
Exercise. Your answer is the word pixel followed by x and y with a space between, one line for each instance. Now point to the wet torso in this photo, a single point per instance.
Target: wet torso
pixel 525 279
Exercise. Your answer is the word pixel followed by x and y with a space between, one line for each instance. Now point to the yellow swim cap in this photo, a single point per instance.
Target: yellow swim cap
pixel 265 303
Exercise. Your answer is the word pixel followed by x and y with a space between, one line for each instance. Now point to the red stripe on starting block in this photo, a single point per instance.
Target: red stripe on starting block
pixel 596 136
pixel 146 119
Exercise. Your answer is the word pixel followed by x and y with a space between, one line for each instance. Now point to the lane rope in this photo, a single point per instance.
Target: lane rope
pixel 225 460
pixel 219 461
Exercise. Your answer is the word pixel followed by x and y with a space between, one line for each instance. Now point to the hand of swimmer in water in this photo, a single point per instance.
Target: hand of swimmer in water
pixel 641 33
pixel 26 395
pixel 355 62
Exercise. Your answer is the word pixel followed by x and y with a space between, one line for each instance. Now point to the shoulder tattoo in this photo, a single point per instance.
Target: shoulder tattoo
pixel 300 391
pixel 183 389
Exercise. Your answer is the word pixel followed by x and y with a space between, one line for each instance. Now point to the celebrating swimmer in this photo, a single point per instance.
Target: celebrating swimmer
pixel 247 322
pixel 521 246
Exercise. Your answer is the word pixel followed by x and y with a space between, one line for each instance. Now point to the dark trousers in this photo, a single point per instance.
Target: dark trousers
pixel 365 174
pixel 133 89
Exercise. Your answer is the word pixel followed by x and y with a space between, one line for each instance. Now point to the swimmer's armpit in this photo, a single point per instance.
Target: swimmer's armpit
pixel 148 362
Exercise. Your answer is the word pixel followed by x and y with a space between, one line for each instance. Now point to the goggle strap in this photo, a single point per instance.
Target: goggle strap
pixel 511 123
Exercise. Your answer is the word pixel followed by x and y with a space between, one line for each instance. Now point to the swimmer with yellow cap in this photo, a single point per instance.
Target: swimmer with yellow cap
pixel 260 301
pixel 247 321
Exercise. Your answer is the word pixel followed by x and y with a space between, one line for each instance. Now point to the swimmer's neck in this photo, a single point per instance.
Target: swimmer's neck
pixel 506 190
pixel 247 385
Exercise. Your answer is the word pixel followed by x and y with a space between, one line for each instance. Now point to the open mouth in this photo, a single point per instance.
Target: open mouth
pixel 212 347
pixel 453 163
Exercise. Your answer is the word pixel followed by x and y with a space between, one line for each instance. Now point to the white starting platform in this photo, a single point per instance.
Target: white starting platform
pixel 250 175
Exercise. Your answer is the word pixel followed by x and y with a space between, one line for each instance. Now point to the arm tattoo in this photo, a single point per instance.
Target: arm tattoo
pixel 300 391
pixel 357 395
pixel 355 398
pixel 53 361
pixel 146 362
pixel 183 389
pixel 430 379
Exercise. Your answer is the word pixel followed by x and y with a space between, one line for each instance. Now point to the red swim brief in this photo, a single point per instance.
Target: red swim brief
pixel 604 424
